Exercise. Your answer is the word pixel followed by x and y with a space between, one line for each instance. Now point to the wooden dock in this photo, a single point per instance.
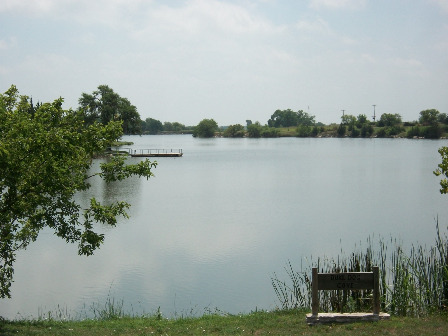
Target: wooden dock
pixel 155 152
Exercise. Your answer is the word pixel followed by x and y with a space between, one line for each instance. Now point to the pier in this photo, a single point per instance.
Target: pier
pixel 155 152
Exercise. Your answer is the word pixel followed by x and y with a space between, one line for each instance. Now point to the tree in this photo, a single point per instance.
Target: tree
pixel 45 159
pixel 128 114
pixel 153 126
pixel 443 169
pixel 205 129
pixel 341 130
pixel 388 119
pixel 361 120
pixel 234 131
pixel 173 127
pixel 287 118
pixel 104 105
pixel 443 118
pixel 305 118
pixel 429 117
pixel 303 131
pixel 254 130
pixel 366 130
pixel 283 118
pixel 348 119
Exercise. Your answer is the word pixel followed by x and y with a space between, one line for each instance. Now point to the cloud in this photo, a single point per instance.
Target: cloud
pixel 443 4
pixel 36 7
pixel 314 26
pixel 337 4
pixel 7 44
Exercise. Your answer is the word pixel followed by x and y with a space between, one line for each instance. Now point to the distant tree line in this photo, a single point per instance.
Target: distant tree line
pixel 154 126
pixel 104 105
pixel 431 125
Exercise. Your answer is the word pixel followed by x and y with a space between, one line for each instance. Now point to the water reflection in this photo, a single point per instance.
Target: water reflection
pixel 211 227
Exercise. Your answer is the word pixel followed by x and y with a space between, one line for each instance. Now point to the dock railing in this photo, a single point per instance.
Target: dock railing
pixel 155 152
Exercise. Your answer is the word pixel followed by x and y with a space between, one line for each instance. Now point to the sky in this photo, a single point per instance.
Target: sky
pixel 231 61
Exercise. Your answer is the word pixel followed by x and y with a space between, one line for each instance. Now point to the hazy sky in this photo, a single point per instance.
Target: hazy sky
pixel 231 60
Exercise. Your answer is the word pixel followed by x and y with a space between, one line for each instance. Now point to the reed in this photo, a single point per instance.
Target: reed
pixel 412 283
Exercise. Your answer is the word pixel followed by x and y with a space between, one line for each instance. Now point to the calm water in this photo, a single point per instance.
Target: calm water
pixel 213 226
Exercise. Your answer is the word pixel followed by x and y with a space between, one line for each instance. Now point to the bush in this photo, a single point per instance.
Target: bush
pixel 366 130
pixel 205 129
pixel 341 130
pixel 234 131
pixel 254 130
pixel 269 132
pixel 303 131
pixel 315 131
pixel 381 133
pixel 413 132
pixel 433 132
pixel 355 132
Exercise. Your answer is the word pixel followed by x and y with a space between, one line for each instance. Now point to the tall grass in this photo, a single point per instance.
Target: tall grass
pixel 411 284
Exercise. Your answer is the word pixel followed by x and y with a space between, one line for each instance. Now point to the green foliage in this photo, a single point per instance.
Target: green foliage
pixel 355 132
pixel 173 127
pixel 429 132
pixel 349 120
pixel 104 105
pixel 153 126
pixel 443 170
pixel 414 131
pixel 381 133
pixel 413 284
pixel 388 119
pixel 389 131
pixel 315 131
pixel 303 131
pixel 45 157
pixel 287 118
pixel 234 131
pixel 366 130
pixel 361 120
pixel 341 130
pixel 429 117
pixel 205 129
pixel 254 130
pixel 269 132
pixel 433 131
pixel 443 118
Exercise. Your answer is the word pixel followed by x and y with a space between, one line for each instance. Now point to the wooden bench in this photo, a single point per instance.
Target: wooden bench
pixel 345 281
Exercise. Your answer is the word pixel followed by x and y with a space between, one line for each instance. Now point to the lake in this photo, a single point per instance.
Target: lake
pixel 211 228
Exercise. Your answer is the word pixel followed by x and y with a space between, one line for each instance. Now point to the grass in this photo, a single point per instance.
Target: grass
pixel 412 283
pixel 285 322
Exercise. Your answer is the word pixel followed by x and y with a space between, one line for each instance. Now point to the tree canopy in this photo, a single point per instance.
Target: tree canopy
pixel 287 118
pixel 104 105
pixel 234 131
pixel 389 119
pixel 153 126
pixel 429 117
pixel 205 129
pixel 443 170
pixel 45 157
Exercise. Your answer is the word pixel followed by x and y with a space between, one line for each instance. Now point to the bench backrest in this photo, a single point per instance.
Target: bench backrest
pixel 346 281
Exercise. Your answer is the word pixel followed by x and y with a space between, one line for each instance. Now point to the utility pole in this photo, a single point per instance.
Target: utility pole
pixel 343 112
pixel 374 116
